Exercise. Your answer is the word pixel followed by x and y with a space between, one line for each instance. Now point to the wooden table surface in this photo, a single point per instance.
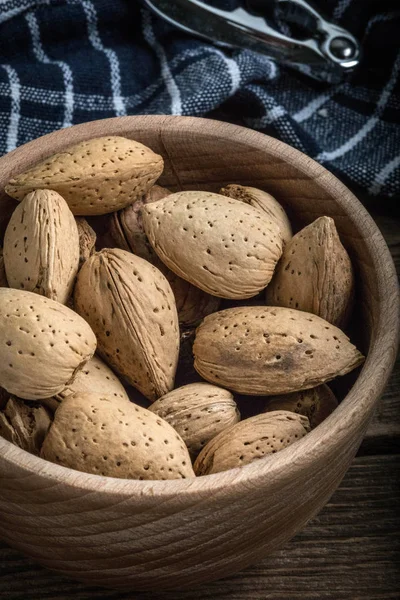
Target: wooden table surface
pixel 351 551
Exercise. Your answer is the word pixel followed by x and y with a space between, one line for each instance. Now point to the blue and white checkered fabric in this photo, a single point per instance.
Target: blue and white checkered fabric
pixel 68 61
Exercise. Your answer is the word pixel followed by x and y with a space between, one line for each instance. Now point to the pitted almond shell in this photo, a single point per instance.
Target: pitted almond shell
pixel 131 308
pixel 97 377
pixel 315 274
pixel 24 424
pixel 315 404
pixel 250 440
pixel 218 244
pixel 43 344
pixel 108 436
pixel 95 177
pixel 263 201
pixel 41 246
pixel 127 232
pixel 198 412
pixel 87 240
pixel 126 226
pixel 264 350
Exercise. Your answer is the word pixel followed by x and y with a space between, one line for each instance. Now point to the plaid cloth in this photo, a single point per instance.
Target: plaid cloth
pixel 68 61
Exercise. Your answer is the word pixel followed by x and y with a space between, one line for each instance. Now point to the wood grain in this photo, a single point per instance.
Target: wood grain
pixel 165 535
pixel 383 433
pixel 349 552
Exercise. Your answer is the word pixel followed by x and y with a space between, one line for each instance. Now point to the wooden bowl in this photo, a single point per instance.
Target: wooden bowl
pixel 156 535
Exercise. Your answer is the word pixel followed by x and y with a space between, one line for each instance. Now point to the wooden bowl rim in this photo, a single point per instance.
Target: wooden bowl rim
pixel 342 423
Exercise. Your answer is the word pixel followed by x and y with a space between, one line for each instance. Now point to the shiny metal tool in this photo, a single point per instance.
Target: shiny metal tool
pixel 288 31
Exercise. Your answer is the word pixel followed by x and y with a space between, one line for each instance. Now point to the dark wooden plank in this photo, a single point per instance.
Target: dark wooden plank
pixel 350 551
pixel 383 435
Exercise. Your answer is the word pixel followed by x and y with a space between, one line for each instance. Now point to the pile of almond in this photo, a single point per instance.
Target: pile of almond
pixel 102 368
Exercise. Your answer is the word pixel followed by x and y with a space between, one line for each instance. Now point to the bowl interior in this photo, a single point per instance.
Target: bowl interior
pixel 206 155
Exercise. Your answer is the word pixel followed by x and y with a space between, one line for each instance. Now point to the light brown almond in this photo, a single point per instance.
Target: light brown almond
pixel 315 274
pixel 218 244
pixel 126 226
pixel 41 246
pixel 87 240
pixel 131 308
pixel 95 177
pixel 198 412
pixel 315 404
pixel 264 350
pixel 263 201
pixel 43 344
pixel 108 436
pixel 24 424
pixel 95 377
pixel 127 232
pixel 250 440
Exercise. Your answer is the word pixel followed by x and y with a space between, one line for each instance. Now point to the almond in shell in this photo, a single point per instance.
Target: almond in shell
pixel 87 240
pixel 127 232
pixel 315 404
pixel 263 201
pixel 41 246
pixel 250 440
pixel 43 344
pixel 198 412
pixel 107 436
pixel 315 274
pixel 24 424
pixel 96 377
pixel 126 226
pixel 263 350
pixel 218 244
pixel 131 308
pixel 96 177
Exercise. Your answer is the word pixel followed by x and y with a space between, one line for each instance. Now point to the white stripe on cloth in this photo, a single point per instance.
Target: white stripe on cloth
pixel 17 7
pixel 268 118
pixel 170 83
pixel 15 114
pixel 273 114
pixel 383 175
pixel 99 102
pixel 273 70
pixel 233 70
pixel 42 57
pixel 307 112
pixel 95 40
pixel 370 123
pixel 341 8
